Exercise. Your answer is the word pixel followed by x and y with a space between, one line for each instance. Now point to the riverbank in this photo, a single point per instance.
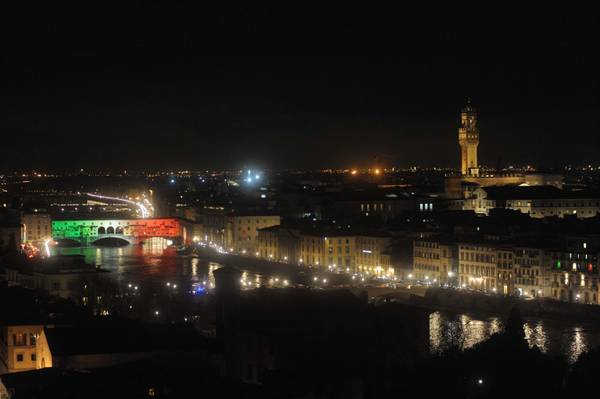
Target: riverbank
pixel 460 301
pixel 296 274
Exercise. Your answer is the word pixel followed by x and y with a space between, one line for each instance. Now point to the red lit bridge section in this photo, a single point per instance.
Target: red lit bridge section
pixel 130 230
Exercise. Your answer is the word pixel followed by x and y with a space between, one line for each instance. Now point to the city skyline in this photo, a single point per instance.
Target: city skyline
pixel 177 221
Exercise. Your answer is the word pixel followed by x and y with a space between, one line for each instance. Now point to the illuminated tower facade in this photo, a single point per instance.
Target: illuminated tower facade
pixel 468 139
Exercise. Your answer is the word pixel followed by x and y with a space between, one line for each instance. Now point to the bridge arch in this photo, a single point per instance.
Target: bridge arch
pixel 101 230
pixel 111 242
pixel 119 230
pixel 110 230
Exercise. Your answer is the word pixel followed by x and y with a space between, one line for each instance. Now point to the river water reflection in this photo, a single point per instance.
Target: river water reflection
pixel 566 338
pixel 151 265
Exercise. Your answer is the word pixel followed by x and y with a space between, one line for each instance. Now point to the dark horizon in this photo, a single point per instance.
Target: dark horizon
pixel 134 91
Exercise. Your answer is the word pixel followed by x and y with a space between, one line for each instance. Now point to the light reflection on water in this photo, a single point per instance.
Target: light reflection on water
pixel 153 261
pixel 569 339
pixel 150 262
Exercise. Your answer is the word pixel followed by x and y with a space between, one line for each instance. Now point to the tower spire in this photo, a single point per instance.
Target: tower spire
pixel 468 139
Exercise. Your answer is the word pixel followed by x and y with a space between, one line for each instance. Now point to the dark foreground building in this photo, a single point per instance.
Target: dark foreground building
pixel 314 342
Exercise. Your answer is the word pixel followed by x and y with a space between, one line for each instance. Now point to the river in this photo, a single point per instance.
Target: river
pixel 152 267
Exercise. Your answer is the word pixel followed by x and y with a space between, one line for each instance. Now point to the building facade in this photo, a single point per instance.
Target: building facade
pixel 37 228
pixel 372 255
pixel 241 231
pixel 433 261
pixel 23 348
pixel 477 266
pixel 350 252
pixel 537 202
pixel 529 271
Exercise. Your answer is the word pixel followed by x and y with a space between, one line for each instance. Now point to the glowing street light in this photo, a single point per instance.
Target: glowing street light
pixel 46 245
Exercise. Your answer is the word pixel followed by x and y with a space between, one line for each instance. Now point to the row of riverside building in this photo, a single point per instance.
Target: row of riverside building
pixel 344 249
pixel 565 270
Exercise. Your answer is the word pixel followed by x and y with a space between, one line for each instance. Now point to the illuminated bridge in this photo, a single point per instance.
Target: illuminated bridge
pixel 131 230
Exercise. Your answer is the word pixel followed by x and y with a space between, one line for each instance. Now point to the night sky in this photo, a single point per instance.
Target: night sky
pixel 134 88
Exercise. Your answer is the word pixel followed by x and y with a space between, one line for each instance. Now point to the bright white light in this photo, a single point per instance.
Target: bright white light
pixel 143 210
pixel 324 281
pixel 410 276
pixel 46 245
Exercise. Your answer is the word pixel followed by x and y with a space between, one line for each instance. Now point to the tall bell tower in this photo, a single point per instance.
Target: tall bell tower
pixel 468 139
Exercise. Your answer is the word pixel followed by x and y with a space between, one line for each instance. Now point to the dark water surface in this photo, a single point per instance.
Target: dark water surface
pixel 153 265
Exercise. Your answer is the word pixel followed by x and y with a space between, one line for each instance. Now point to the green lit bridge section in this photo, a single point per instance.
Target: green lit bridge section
pixel 131 230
